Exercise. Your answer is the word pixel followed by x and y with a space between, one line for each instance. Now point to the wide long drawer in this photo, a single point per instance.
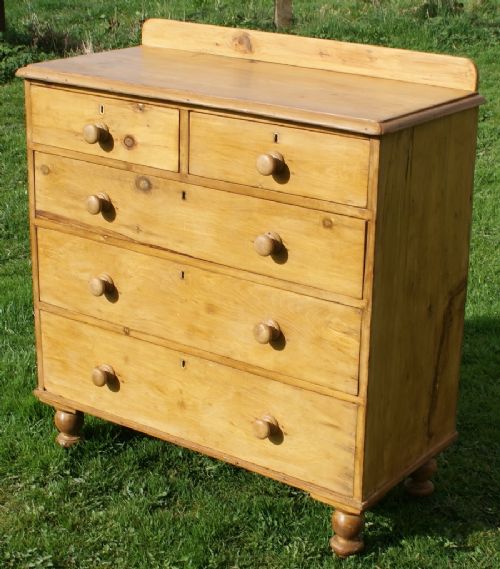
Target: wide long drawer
pixel 299 336
pixel 297 161
pixel 132 131
pixel 317 249
pixel 203 402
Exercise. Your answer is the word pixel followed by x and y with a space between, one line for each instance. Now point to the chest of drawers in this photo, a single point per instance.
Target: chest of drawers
pixel 256 246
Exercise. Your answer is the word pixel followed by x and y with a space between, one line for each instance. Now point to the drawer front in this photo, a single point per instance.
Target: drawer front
pixel 203 402
pixel 319 342
pixel 138 132
pixel 318 165
pixel 318 249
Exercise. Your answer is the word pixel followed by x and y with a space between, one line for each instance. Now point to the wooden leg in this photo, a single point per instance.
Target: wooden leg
pixel 419 483
pixel 348 539
pixel 69 426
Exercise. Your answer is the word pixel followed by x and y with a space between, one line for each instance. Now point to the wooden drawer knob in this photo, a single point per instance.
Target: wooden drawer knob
pixel 267 331
pixel 93 133
pixel 102 374
pixel 97 203
pixel 267 243
pixel 101 284
pixel 265 426
pixel 270 163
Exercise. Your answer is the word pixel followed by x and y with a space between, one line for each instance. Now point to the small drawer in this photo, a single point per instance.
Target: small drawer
pixel 131 131
pixel 291 243
pixel 320 165
pixel 301 337
pixel 280 427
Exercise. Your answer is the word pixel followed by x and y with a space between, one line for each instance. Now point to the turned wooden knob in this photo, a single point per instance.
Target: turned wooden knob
pixel 265 426
pixel 267 331
pixel 267 243
pixel 101 284
pixel 97 203
pixel 93 133
pixel 270 163
pixel 102 374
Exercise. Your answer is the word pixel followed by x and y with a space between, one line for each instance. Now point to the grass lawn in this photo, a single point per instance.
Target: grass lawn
pixel 124 500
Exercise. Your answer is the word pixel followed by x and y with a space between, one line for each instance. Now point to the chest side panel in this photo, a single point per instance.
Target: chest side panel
pixel 420 276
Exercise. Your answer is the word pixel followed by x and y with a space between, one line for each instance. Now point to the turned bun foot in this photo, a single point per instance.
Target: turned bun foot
pixel 419 483
pixel 347 539
pixel 69 426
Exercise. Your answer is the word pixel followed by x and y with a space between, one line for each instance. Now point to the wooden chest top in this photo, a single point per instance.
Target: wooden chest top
pixel 364 89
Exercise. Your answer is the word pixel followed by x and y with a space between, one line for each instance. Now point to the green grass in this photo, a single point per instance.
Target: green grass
pixel 124 500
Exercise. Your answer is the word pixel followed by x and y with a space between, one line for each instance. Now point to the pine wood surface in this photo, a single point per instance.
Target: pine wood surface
pixel 183 176
pixel 323 494
pixel 310 96
pixel 59 117
pixel 317 165
pixel 320 340
pixel 172 344
pixel 321 250
pixel 203 402
pixel 58 223
pixel 420 275
pixel 343 57
pixel 319 493
pixel 166 285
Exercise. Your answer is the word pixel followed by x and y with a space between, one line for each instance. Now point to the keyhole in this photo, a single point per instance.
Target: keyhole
pixel 182 275
pixel 101 109
pixel 183 364
pixel 183 195
pixel 276 137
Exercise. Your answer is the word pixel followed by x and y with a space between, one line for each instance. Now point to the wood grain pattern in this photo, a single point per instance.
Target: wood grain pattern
pixel 312 97
pixel 348 504
pixel 343 57
pixel 319 343
pixel 262 194
pixel 320 493
pixel 210 356
pixel 320 250
pixel 420 275
pixel 323 166
pixel 58 223
pixel 138 131
pixel 203 402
